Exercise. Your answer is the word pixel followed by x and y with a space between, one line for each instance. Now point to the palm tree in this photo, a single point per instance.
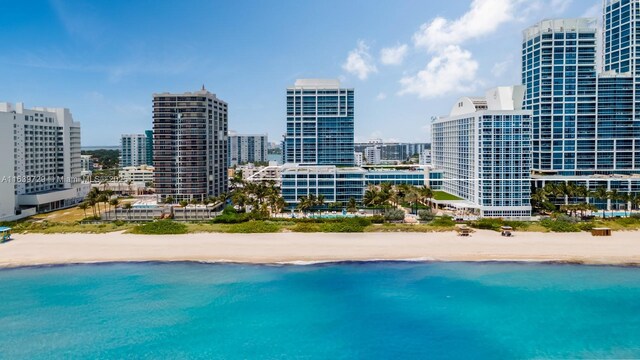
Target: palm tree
pixel 313 200
pixel 114 203
pixel 626 198
pixel 320 201
pixel 538 198
pixel 370 198
pixel 127 206
pixel 425 192
pixel 412 198
pixel 84 206
pixel 102 198
pixel 352 206
pixel 92 197
pixel 601 193
pixel 104 184
pixel 183 204
pixel 636 201
pixel 614 195
pixel 303 204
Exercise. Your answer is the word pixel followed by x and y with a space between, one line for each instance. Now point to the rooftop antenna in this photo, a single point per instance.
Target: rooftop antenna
pixel 203 89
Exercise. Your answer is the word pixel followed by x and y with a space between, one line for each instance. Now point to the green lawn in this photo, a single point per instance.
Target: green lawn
pixel 441 195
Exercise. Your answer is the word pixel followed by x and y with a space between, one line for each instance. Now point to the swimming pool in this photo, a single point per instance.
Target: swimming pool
pixel 616 213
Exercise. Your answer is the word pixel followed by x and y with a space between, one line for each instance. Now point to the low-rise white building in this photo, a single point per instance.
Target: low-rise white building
pixel 358 158
pixel 41 167
pixel 140 174
pixel 483 149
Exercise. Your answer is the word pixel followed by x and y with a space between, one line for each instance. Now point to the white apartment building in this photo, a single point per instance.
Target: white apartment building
pixel 372 155
pixel 138 174
pixel 41 170
pixel 358 158
pixel 483 149
pixel 244 149
pixel 424 158
pixel 86 165
pixel 133 150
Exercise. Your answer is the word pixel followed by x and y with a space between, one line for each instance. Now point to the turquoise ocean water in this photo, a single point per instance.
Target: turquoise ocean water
pixel 377 310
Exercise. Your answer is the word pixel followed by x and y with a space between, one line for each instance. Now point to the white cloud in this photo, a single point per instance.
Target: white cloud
pixel 483 18
pixel 560 6
pixel 594 11
pixel 451 70
pixel 359 62
pixel 381 96
pixel 501 67
pixel 393 55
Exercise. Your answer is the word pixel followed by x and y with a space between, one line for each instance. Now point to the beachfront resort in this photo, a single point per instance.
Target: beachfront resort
pixel 211 184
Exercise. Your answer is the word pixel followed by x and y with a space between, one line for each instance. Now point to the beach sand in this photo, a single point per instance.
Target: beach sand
pixel 622 248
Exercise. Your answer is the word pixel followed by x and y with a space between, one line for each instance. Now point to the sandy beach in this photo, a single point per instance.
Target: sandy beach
pixel 622 248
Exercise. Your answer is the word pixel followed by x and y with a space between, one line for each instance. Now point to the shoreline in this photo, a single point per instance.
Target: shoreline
pixel 622 248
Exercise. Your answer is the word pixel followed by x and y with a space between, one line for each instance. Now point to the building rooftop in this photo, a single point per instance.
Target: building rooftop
pixel 559 25
pixel 317 83
pixel 502 98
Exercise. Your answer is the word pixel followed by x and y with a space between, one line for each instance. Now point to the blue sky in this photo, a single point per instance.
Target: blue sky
pixel 407 60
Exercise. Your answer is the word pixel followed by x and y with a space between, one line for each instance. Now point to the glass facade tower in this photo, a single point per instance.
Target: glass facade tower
pixel 320 123
pixel 559 75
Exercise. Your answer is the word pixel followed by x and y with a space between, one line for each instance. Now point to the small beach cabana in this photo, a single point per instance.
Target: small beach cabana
pixel 506 230
pixel 601 232
pixel 463 230
pixel 5 234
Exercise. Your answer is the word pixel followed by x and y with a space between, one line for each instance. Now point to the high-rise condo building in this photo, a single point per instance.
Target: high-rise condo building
pixel 245 149
pixel 559 75
pixel 190 145
pixel 586 126
pixel 40 170
pixel 149 145
pixel 320 123
pixel 483 149
pixel 133 150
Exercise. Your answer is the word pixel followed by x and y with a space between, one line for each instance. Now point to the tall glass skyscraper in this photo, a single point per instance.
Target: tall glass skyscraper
pixel 320 123
pixel 559 75
pixel 586 125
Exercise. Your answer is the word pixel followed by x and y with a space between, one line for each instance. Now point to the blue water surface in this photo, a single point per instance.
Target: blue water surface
pixel 380 310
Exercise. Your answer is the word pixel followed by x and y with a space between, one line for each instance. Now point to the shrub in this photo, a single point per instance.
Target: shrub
pixel 444 221
pixel 91 218
pixel 626 221
pixel 585 226
pixel 229 210
pixel 520 225
pixel 567 218
pixel 559 225
pixel 231 216
pixel 635 216
pixel 377 219
pixel 426 215
pixel 254 226
pixel 394 214
pixel 306 227
pixel 356 224
pixel 161 227
pixel 496 223
pixel 487 224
